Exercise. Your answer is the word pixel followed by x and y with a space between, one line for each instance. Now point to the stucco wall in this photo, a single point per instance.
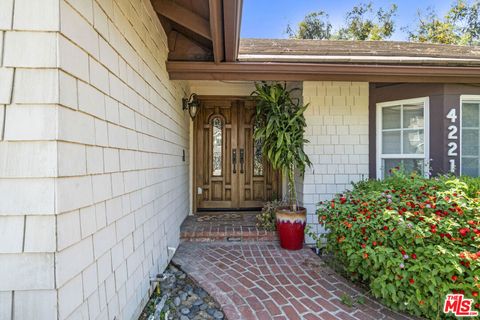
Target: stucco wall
pixel 337 128
pixel 92 183
pixel 222 88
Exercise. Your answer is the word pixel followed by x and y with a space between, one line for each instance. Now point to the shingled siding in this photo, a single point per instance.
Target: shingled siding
pixel 92 183
pixel 337 128
pixel 130 192
pixel 28 158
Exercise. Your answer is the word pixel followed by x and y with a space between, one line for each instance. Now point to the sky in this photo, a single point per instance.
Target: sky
pixel 269 18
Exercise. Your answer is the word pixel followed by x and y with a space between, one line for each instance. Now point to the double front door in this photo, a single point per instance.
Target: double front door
pixel 230 170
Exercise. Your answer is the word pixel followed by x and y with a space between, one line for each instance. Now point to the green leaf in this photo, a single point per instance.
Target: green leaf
pixel 280 125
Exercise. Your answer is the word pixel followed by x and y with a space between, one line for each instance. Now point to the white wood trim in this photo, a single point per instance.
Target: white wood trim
pixel 426 134
pixel 464 97
pixel 403 156
pixel 378 132
pixel 405 101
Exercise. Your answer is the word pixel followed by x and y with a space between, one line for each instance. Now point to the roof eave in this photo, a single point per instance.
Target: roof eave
pixel 322 71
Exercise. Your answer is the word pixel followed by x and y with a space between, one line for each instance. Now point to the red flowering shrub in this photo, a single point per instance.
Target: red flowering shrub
pixel 412 240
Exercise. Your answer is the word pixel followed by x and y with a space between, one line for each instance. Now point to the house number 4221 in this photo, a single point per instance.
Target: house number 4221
pixel 452 138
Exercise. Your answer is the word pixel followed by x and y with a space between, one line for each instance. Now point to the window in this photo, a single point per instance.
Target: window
pixel 217 148
pixel 402 136
pixel 257 155
pixel 470 137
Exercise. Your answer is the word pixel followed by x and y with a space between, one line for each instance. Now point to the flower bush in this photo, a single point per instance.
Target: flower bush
pixel 412 240
pixel 266 219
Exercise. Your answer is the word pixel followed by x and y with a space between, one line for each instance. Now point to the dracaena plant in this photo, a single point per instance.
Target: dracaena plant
pixel 280 126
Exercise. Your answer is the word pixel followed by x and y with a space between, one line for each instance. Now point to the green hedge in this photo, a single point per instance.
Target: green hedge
pixel 411 239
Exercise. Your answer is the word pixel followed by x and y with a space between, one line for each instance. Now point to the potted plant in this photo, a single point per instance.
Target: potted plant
pixel 280 126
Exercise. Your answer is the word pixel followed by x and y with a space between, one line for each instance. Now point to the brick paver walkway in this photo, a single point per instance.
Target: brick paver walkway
pixel 262 281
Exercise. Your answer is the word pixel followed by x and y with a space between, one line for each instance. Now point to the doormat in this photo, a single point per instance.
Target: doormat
pixel 224 216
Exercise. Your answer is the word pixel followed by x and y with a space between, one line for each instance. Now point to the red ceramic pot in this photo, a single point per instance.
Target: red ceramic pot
pixel 291 227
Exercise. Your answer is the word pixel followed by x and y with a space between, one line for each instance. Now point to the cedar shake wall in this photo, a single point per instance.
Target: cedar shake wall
pixel 124 189
pixel 442 98
pixel 29 98
pixel 337 128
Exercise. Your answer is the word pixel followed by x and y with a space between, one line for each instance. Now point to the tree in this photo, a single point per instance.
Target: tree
pixel 431 28
pixel 316 25
pixel 461 25
pixel 363 23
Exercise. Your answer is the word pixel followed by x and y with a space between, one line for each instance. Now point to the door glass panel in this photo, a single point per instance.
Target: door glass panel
pixel 217 148
pixel 413 116
pixel 413 142
pixel 257 158
pixel 391 117
pixel 391 142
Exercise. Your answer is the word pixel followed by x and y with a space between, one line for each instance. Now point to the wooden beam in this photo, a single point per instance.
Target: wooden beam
pixel 182 48
pixel 216 29
pixel 183 17
pixel 232 15
pixel 316 71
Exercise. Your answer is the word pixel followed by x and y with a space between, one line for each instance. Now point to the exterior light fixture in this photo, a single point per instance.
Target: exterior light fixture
pixel 191 104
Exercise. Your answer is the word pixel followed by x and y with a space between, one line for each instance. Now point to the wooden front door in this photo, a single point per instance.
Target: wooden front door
pixel 230 171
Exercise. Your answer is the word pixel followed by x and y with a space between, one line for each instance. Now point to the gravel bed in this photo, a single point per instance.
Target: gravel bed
pixel 179 297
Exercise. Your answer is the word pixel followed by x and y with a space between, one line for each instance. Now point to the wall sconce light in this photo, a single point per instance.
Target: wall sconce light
pixel 191 104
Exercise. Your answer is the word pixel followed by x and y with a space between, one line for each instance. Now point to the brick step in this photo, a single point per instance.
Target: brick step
pixel 245 236
pixel 224 226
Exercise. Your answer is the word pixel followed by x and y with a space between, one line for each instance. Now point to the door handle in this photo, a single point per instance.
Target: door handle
pixel 242 158
pixel 234 160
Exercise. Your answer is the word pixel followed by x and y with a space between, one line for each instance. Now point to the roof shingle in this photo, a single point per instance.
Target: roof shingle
pixel 358 52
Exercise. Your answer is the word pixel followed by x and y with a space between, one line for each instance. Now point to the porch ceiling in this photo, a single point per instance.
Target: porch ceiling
pixel 201 30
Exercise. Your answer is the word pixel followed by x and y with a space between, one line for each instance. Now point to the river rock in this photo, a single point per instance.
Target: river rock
pixel 183 295
pixel 211 311
pixel 181 298
pixel 177 301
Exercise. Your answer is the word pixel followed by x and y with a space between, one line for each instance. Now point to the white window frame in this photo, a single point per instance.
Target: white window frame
pixel 464 97
pixel 426 135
